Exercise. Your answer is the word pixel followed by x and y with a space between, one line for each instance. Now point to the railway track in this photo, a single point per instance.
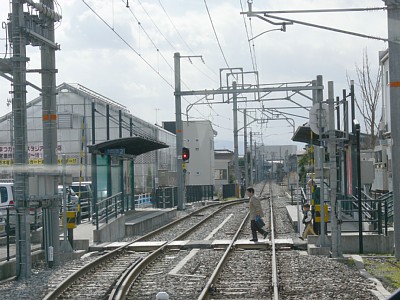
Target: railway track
pixel 107 269
pixel 246 273
pixel 209 257
pixel 201 273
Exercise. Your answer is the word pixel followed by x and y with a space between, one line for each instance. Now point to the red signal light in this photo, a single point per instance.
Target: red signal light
pixel 185 154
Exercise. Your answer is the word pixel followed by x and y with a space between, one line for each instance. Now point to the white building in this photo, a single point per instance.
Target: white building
pixel 222 161
pixel 383 152
pixel 198 136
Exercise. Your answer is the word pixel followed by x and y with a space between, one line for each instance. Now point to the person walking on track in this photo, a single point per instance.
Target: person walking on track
pixel 255 209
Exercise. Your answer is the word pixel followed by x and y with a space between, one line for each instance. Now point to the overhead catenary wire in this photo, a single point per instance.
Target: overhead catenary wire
pixel 215 34
pixel 129 45
pixel 153 68
pixel 180 36
pixel 157 48
pixel 148 36
pixel 147 63
pixel 155 25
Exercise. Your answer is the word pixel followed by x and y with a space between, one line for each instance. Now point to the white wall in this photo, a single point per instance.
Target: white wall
pixel 198 136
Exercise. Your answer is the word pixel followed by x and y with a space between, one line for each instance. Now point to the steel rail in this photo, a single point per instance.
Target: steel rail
pixel 55 293
pixel 122 288
pixel 273 257
pixel 153 233
pixel 214 276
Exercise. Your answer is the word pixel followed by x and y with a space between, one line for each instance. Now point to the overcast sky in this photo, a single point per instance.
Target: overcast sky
pixel 133 63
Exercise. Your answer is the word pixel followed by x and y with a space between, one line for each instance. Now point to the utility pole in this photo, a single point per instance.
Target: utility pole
pixel 255 179
pixel 246 164
pixel 21 188
pixel 179 132
pixel 394 76
pixel 49 112
pixel 320 98
pixel 336 251
pixel 251 158
pixel 236 140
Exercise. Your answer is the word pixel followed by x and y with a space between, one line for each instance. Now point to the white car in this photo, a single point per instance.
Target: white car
pixel 72 198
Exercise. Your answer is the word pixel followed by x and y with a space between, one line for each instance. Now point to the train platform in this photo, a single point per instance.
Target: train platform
pixel 133 223
pixel 372 242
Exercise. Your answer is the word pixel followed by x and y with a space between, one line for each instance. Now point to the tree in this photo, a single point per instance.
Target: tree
pixel 304 165
pixel 370 87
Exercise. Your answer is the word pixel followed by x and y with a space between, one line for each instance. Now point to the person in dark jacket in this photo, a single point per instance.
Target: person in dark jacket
pixel 255 209
pixel 307 221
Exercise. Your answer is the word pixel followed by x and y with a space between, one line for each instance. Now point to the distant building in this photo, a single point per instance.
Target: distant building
pixel 383 181
pixel 269 158
pixel 198 136
pixel 222 170
pixel 74 134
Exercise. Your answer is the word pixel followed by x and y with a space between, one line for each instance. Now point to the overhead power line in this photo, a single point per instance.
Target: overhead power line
pixel 155 25
pixel 148 36
pixel 215 33
pixel 129 45
pixel 137 53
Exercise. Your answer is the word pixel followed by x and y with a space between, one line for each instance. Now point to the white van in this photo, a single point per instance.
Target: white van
pixel 7 201
pixel 6 194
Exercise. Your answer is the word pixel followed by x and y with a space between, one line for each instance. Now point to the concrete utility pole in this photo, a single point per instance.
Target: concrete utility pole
pixel 179 132
pixel 246 164
pixel 320 98
pixel 394 76
pixel 251 158
pixel 49 113
pixel 21 188
pixel 236 140
pixel 336 249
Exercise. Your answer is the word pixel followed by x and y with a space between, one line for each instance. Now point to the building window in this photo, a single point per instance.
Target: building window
pixel 3 194
pixel 64 120
pixel 378 156
pixel 221 174
pixel 387 77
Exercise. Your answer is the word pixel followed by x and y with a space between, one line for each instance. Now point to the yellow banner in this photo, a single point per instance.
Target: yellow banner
pixel 37 161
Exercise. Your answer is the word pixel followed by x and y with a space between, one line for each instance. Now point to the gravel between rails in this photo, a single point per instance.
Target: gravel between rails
pixel 307 277
pixel 302 276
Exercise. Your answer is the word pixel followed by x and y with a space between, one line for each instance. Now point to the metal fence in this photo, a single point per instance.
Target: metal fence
pixel 143 200
pixel 8 217
pixel 228 190
pixel 377 213
pixel 166 197
pixel 196 193
pixel 108 208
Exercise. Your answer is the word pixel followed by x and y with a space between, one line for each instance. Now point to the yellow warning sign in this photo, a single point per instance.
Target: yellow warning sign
pixel 71 219
pixel 318 215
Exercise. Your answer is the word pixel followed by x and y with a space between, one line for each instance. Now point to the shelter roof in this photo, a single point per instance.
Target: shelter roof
pixel 303 135
pixel 127 146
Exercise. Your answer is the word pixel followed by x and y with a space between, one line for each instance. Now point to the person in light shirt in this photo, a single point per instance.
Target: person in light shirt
pixel 255 209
